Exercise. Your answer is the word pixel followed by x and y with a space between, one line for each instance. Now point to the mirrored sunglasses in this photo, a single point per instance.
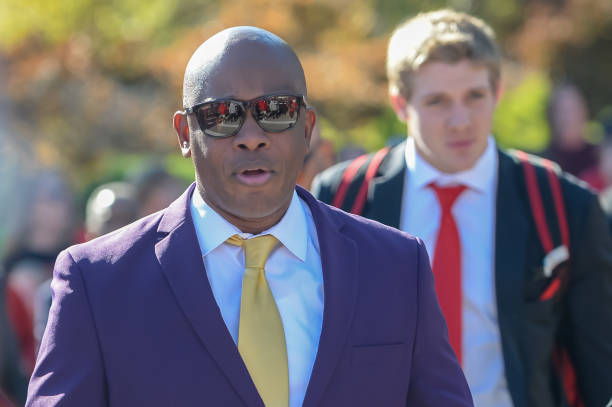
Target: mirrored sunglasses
pixel 225 117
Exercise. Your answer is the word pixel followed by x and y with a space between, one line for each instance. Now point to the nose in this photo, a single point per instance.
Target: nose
pixel 459 117
pixel 251 136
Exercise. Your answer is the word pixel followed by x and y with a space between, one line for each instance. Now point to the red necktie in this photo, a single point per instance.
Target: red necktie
pixel 447 264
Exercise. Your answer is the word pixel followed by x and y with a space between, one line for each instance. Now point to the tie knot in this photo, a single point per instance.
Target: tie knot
pixel 447 195
pixel 256 249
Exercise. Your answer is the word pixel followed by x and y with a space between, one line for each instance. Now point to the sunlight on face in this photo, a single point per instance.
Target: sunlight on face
pixel 450 114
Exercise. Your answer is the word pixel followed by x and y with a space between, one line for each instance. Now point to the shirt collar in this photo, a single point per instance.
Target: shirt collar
pixel 213 230
pixel 478 178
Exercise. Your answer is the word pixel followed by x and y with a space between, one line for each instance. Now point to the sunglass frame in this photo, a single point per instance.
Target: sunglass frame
pixel 246 105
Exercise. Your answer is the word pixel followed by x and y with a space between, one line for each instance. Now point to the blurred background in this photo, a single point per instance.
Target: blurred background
pixel 88 89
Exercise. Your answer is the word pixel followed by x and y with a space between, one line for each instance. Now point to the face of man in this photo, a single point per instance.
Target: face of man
pixel 249 178
pixel 450 114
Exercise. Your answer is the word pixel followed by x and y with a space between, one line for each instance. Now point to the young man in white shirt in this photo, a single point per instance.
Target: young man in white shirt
pixel 508 310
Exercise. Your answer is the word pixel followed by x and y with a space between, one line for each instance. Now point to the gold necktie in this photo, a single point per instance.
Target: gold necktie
pixel 261 337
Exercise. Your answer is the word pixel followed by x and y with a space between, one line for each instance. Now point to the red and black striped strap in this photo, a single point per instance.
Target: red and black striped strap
pixel 560 357
pixel 535 199
pixel 349 176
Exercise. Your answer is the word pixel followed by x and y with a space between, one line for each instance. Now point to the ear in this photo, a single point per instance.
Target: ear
pixel 399 104
pixel 311 120
pixel 181 126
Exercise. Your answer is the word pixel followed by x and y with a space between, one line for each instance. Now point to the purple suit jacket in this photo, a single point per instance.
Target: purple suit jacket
pixel 134 322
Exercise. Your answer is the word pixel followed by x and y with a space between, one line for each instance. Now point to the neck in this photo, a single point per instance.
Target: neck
pixel 247 224
pixel 254 226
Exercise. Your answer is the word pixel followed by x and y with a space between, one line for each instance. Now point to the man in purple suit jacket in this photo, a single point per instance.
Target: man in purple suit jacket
pixel 148 315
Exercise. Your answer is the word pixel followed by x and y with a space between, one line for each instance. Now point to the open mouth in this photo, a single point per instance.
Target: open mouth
pixel 254 176
pixel 257 171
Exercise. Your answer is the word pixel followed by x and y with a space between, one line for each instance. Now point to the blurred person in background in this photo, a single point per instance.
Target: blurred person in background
pixel 155 189
pixel 14 168
pixel 605 161
pixel 349 152
pixel 109 207
pixel 320 156
pixel 605 170
pixel 48 227
pixel 568 115
pixel 600 177
pixel 13 380
pixel 509 302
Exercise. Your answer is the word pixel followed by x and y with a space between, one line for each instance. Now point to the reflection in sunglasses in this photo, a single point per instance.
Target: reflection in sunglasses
pixel 224 118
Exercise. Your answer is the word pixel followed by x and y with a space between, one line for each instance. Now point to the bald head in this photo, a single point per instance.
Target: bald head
pixel 239 58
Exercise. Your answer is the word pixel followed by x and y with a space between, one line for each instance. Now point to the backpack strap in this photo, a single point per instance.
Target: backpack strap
pixel 347 179
pixel 561 358
pixel 351 175
pixel 539 216
pixel 360 200
pixel 535 200
pixel 555 187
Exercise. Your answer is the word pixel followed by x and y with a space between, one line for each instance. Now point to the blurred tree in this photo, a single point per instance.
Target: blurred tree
pixel 91 79
pixel 520 118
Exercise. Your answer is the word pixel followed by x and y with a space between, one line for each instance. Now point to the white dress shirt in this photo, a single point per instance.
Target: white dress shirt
pixel 474 213
pixel 294 274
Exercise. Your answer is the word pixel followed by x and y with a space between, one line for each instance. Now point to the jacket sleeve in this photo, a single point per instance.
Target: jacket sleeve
pixel 436 378
pixel 589 301
pixel 69 369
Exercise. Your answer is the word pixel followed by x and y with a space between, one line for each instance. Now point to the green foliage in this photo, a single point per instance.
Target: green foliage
pixel 179 167
pixel 520 119
pixel 109 22
pixel 371 135
pixel 330 132
pixel 54 21
pixel 393 12
pixel 374 134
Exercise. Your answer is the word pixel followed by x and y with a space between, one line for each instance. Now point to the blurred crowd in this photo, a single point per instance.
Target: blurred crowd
pixel 568 117
pixel 570 147
pixel 50 223
pixel 48 220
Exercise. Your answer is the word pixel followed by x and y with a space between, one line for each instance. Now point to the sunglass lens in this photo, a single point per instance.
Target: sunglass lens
pixel 276 113
pixel 221 119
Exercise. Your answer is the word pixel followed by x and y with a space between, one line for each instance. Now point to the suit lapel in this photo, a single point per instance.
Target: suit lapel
pixel 180 258
pixel 511 238
pixel 340 284
pixel 385 192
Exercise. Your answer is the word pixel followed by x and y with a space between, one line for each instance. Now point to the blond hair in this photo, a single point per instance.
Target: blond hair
pixel 444 36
